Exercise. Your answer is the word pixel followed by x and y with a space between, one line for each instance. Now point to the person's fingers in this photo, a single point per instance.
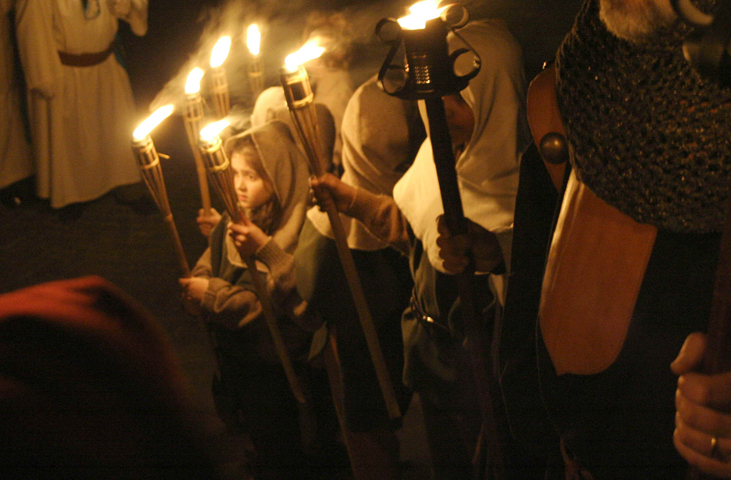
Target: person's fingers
pixel 713 391
pixel 702 442
pixel 697 459
pixel 442 227
pixel 690 355
pixel 702 418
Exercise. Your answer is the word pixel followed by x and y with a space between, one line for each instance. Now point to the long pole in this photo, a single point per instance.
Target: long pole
pixel 457 223
pixel 149 162
pixel 192 119
pixel 300 101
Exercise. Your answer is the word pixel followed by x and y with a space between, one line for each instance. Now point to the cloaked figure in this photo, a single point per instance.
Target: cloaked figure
pixel 79 97
pixel 16 162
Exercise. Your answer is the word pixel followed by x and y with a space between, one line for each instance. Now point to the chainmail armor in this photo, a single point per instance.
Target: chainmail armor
pixel 649 135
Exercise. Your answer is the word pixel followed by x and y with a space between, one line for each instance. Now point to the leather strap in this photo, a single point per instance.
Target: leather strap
pixel 544 117
pixel 85 59
pixel 594 272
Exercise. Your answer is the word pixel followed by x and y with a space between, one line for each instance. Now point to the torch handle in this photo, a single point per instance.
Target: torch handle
pixel 476 340
pixel 369 330
pixel 221 100
pixel 259 279
pixel 191 129
pixel 183 262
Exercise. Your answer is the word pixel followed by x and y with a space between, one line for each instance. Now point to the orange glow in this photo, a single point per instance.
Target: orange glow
pixel 220 51
pixel 152 121
pixel 309 51
pixel 253 39
pixel 420 13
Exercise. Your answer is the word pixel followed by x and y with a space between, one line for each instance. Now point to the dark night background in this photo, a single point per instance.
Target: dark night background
pixel 132 248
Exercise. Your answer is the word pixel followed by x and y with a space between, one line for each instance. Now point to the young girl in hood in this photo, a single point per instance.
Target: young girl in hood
pixel 271 178
pixel 489 133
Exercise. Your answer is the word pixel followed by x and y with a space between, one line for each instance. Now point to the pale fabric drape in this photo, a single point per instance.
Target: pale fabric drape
pixel 16 162
pixel 81 117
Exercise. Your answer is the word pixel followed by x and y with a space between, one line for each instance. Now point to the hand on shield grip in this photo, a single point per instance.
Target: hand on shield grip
pixel 455 250
pixel 329 189
pixel 703 411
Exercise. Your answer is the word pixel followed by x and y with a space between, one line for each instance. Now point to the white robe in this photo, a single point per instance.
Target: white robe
pixel 81 117
pixel 16 162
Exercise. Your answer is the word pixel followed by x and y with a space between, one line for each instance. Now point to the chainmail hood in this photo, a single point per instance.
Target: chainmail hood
pixel 649 135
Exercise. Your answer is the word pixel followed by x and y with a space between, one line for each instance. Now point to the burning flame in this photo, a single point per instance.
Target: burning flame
pixel 211 131
pixel 420 13
pixel 309 51
pixel 193 83
pixel 152 121
pixel 253 39
pixel 220 51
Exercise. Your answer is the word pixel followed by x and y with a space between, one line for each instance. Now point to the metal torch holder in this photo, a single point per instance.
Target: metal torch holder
pixel 219 169
pixel 428 75
pixel 219 87
pixel 300 101
pixel 149 162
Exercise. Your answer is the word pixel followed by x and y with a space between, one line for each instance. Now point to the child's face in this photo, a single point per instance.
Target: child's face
pixel 252 189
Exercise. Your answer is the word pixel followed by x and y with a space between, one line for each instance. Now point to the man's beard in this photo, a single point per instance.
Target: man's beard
pixel 635 20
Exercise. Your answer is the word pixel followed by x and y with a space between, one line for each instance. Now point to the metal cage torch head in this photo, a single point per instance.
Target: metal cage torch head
pixel 429 69
pixel 300 102
pixel 218 167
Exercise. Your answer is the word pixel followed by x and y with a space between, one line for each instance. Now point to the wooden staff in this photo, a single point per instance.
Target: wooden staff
pixel 221 101
pixel 475 335
pixel 256 74
pixel 221 175
pixel 193 117
pixel 300 101
pixel 149 163
pixel 256 78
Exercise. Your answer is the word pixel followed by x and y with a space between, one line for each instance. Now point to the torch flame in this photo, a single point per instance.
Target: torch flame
pixel 420 13
pixel 309 51
pixel 211 131
pixel 220 51
pixel 193 83
pixel 253 39
pixel 152 121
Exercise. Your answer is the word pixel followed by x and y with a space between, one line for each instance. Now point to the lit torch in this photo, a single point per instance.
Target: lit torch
pixel 193 117
pixel 221 101
pixel 221 175
pixel 149 163
pixel 300 101
pixel 256 74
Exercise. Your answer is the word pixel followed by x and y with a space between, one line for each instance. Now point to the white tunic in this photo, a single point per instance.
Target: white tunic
pixel 81 117
pixel 16 162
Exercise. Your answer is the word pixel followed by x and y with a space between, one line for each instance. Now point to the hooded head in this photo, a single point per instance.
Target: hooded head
pixel 488 167
pixel 286 169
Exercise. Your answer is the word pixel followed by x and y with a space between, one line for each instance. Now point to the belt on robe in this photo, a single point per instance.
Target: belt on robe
pixel 85 59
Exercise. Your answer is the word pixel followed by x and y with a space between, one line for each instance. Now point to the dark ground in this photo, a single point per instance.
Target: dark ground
pixel 132 248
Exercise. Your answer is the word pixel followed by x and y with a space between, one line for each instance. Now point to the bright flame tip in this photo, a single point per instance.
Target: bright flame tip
pixel 152 121
pixel 211 131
